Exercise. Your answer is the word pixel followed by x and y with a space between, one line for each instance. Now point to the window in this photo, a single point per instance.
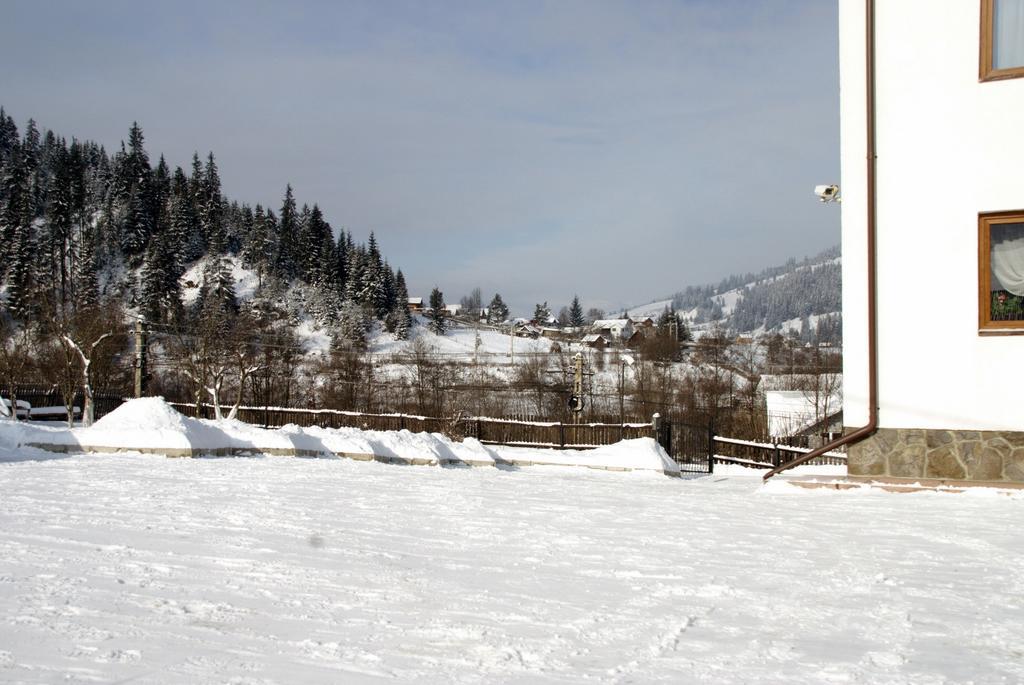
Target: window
pixel 1002 39
pixel 1001 272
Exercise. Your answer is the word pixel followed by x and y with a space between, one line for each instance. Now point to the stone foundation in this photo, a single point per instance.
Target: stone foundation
pixel 991 456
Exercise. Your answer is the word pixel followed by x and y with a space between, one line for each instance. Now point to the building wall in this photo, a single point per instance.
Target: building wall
pixel 949 147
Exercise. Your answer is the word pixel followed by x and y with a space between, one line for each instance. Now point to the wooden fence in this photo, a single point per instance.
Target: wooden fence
pixel 485 429
pixel 767 455
pixel 42 395
pixel 550 434
pixel 275 417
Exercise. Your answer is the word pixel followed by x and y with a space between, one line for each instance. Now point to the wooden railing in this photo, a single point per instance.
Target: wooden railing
pixel 485 429
pixel 767 455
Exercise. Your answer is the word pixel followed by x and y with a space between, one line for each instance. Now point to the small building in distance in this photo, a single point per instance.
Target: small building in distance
pixel 416 304
pixel 614 330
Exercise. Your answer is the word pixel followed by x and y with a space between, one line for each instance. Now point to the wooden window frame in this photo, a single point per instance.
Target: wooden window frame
pixel 986 71
pixel 986 326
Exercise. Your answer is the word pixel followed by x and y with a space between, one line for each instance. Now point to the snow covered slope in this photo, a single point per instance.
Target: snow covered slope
pixel 777 299
pixel 459 341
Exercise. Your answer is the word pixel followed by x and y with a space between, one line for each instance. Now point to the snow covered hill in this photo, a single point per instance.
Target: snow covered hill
pixel 459 341
pixel 804 297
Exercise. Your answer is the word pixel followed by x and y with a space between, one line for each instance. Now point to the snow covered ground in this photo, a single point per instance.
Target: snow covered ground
pixel 139 568
pixel 459 342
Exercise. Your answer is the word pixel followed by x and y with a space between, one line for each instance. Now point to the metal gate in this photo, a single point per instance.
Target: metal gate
pixel 690 445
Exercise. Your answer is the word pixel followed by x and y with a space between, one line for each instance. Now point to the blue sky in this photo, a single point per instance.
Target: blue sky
pixel 618 150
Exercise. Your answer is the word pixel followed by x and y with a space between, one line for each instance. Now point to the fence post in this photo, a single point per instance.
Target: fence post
pixel 479 430
pixel 561 434
pixel 776 458
pixel 711 448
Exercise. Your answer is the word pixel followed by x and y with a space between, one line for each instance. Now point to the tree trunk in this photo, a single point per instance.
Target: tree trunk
pixel 88 414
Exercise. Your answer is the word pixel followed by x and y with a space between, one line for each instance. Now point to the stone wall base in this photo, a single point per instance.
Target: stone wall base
pixel 959 455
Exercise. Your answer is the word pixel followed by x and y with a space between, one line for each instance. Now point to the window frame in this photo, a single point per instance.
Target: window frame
pixel 986 326
pixel 986 72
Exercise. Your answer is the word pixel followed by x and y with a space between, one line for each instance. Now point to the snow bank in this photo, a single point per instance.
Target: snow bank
pixel 14 438
pixel 151 425
pixel 148 422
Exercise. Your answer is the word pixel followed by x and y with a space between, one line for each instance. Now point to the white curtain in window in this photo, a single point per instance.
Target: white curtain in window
pixel 1008 263
pixel 1008 34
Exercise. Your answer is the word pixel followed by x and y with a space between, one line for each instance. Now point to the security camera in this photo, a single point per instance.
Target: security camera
pixel 827 193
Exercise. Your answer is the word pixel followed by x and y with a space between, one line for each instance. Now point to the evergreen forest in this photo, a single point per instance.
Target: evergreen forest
pixel 81 228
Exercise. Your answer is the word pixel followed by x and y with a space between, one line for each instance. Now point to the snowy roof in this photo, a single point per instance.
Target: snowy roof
pixel 593 337
pixel 610 323
pixel 415 300
pixel 792 411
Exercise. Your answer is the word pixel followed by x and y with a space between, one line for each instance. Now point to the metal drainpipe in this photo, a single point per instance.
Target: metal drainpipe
pixel 872 156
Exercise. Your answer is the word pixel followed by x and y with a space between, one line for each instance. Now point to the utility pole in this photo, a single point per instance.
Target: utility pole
pixel 477 374
pixel 576 401
pixel 577 375
pixel 140 356
pixel 622 391
pixel 477 343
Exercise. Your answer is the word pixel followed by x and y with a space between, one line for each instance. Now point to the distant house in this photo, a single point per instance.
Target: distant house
pixel 527 330
pixel 415 304
pixel 637 339
pixel 453 309
pixel 796 412
pixel 641 322
pixel 614 330
pixel 595 341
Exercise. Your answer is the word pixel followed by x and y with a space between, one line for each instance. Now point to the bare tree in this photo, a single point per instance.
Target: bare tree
pixel 822 383
pixel 58 365
pixel 15 360
pixel 713 383
pixel 244 356
pixel 204 356
pixel 348 377
pixel 89 336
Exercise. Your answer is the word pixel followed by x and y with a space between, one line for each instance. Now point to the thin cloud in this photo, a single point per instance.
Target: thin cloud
pixel 616 150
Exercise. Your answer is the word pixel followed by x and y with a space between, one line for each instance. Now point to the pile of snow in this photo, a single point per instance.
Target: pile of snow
pixel 145 422
pixel 151 425
pixel 143 414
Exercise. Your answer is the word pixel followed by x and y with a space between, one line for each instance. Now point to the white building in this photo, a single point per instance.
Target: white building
pixel 798 412
pixel 617 330
pixel 949 144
